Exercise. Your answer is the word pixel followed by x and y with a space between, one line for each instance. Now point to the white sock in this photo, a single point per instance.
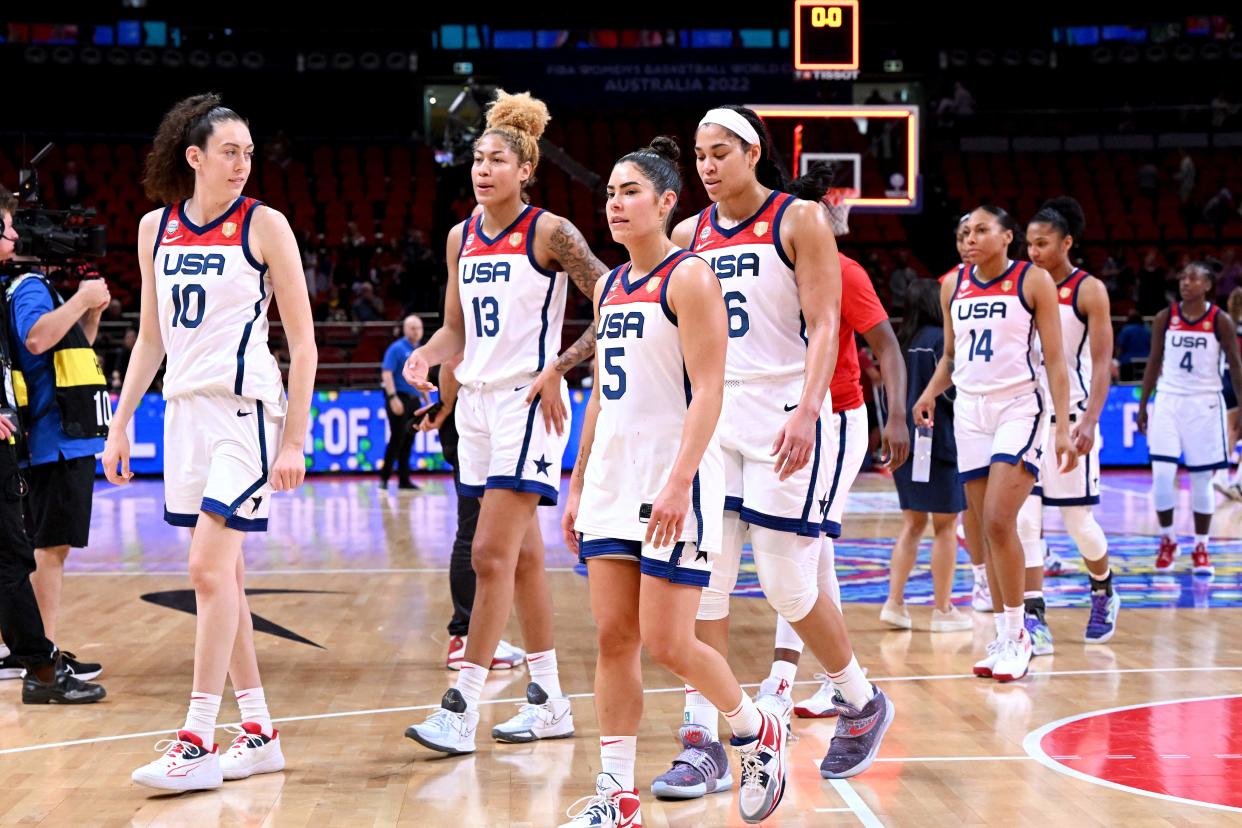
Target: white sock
pixel 253 706
pixel 786 672
pixel 1201 539
pixel 201 717
pixel 616 754
pixel 699 711
pixel 470 683
pixel 852 684
pixel 981 573
pixel 1001 622
pixel 1033 593
pixel 542 667
pixel 1014 621
pixel 1167 532
pixel 744 719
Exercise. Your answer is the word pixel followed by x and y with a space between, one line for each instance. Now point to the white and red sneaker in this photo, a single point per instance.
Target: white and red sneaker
pixel 506 658
pixel 611 807
pixel 765 760
pixel 1168 551
pixel 251 752
pixel 185 766
pixel 818 706
pixel 1015 658
pixel 1201 561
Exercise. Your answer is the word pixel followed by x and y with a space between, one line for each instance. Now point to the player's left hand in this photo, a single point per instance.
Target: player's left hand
pixel 895 444
pixel 1082 435
pixel 289 470
pixel 547 386
pixel 668 515
pixel 794 444
pixel 1067 456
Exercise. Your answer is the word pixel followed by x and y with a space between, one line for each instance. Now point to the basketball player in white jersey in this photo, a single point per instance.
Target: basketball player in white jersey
pixel 777 263
pixel 992 312
pixel 1188 424
pixel 211 262
pixel 647 497
pixel 1087 343
pixel 503 312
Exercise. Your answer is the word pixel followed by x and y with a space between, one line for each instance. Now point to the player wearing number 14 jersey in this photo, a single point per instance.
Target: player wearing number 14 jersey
pixel 1188 424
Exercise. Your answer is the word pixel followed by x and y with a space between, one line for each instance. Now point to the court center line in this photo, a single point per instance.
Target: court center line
pixel 651 691
pixel 860 808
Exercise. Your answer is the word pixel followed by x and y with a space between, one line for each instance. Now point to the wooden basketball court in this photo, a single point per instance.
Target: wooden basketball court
pixel 353 584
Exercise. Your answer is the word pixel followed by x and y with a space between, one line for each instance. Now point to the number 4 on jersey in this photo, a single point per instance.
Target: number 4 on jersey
pixel 1187 363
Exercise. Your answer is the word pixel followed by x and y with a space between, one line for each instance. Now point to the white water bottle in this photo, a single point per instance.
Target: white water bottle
pixel 921 472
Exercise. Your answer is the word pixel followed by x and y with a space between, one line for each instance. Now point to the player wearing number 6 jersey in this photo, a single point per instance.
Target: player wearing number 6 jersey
pixel 211 262
pixel 992 312
pixel 1188 424
pixel 503 313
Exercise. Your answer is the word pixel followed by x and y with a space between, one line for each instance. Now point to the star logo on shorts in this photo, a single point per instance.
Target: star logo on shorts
pixel 823 507
pixel 542 464
pixel 256 501
pixel 1039 454
pixel 700 556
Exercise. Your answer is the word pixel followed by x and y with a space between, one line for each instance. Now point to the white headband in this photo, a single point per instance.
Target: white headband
pixel 732 120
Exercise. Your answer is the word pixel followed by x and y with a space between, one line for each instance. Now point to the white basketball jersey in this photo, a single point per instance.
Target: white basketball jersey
pixel 1074 340
pixel 767 335
pixel 1191 354
pixel 644 395
pixel 513 308
pixel 212 297
pixel 993 333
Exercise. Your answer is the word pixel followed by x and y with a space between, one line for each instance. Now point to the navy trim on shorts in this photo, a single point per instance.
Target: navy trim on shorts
pixel 664 570
pixel 674 574
pixel 547 494
pixel 258 484
pixel 232 521
pixel 1163 458
pixel 697 505
pixel 180 519
pixel 530 425
pixel 810 492
pixel 465 490
pixel 1224 464
pixel 801 528
pixel 836 479
pixel 1015 459
pixel 607 546
pixel 1224 436
pixel 973 474
pixel 1071 501
pixel 733 504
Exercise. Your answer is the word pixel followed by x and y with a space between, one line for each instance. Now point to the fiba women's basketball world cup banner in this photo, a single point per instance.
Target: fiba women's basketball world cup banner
pixel 347 432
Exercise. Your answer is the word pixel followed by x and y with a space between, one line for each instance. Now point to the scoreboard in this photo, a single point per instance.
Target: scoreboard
pixel 826 35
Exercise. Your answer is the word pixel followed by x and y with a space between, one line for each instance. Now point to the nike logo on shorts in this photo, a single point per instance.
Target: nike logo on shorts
pixel 790 407
pixel 244 413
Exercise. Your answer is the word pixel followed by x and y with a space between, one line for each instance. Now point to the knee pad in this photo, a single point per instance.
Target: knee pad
pixel 1202 501
pixel 1082 526
pixel 786 637
pixel 714 602
pixel 713 605
pixel 788 567
pixel 1030 527
pixel 1163 481
pixel 828 583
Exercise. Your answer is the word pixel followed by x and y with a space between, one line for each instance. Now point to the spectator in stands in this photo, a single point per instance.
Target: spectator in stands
pixel 899 282
pixel 367 306
pixel 115 312
pixel 116 358
pixel 1187 176
pixel 1148 176
pixel 70 188
pixel 875 270
pixel 1133 346
pixel 1219 211
pixel 278 150
pixel 1151 288
pixel 403 400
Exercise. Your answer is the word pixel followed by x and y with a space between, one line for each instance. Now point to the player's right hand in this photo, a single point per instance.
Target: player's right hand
pixel 416 370
pixel 924 411
pixel 116 450
pixel 1141 422
pixel 567 523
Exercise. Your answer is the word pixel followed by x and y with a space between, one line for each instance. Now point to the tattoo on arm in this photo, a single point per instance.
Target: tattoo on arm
pixel 576 353
pixel 575 257
pixel 584 451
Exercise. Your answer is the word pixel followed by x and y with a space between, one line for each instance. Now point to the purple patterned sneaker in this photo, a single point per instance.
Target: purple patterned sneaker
pixel 701 768
pixel 859 733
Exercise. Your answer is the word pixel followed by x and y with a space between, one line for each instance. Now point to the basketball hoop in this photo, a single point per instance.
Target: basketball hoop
pixel 838 209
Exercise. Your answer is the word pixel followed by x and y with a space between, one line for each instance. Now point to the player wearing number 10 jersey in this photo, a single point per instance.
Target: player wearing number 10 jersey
pixel 1188 424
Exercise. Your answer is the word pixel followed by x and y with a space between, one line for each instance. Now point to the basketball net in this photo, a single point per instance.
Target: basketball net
pixel 838 210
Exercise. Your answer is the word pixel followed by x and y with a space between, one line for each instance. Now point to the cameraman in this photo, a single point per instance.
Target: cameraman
pixel 48 674
pixel 66 415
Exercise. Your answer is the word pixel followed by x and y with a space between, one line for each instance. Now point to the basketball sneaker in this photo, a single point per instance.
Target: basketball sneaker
pixel 981 595
pixel 765 759
pixel 859 733
pixel 1201 561
pixel 1168 551
pixel 251 752
pixel 1103 620
pixel 450 729
pixel 983 667
pixel 185 766
pixel 506 658
pixel 818 706
pixel 541 717
pixel 1015 658
pixel 773 696
pixel 951 621
pixel 65 688
pixel 610 807
pixel 701 768
pixel 1056 566
pixel 1040 634
pixel 1222 484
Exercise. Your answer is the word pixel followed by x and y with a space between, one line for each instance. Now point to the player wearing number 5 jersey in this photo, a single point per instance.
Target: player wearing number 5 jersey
pixel 503 312
pixel 992 312
pixel 1188 424
pixel 212 261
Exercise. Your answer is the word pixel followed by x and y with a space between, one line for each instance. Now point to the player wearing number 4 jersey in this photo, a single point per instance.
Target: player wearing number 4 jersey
pixel 503 313
pixel 992 311
pixel 211 262
pixel 1188 424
